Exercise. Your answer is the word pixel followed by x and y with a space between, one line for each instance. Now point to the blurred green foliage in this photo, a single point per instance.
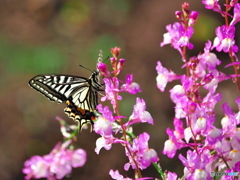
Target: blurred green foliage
pixel 204 29
pixel 114 12
pixel 105 43
pixel 20 58
pixel 75 11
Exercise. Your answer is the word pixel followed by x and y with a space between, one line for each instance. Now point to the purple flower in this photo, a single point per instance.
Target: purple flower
pixel 237 167
pixel 103 124
pixel 140 152
pixel 171 176
pixel 164 76
pixel 106 143
pixel 234 157
pixel 184 107
pixel 172 144
pixel 214 135
pixel 200 125
pixel 180 108
pixel 120 64
pixel 212 4
pixel 130 86
pixel 207 60
pixel 196 164
pixel 57 164
pixel 178 36
pixel 106 113
pixel 210 100
pixel 103 68
pixel 179 130
pixel 229 122
pixel 64 160
pixel 223 147
pixel 236 15
pixel 238 114
pixel 116 175
pixel 225 39
pixel 139 114
pixel 169 148
pixel 193 18
pixel 211 80
pixel 201 174
pixel 111 90
pixel 36 167
pixel 176 93
pixel 78 158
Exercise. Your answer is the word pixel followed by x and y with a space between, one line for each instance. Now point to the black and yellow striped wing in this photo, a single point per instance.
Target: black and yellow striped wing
pixel 79 93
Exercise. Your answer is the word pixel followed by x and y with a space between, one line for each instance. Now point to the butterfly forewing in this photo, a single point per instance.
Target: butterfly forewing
pixel 57 88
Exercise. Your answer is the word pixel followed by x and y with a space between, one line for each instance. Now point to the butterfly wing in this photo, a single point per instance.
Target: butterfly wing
pixel 79 93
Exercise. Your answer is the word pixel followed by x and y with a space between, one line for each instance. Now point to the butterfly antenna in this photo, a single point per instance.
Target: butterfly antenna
pixel 85 68
pixel 106 59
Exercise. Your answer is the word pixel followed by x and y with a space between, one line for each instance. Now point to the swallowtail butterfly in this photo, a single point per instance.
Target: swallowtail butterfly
pixel 79 93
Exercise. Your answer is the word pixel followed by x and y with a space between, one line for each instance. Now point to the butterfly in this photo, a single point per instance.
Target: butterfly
pixel 79 93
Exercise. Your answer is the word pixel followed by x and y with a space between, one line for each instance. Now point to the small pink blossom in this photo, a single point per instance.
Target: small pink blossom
pixel 141 153
pixel 130 86
pixel 178 36
pixel 164 76
pixel 140 114
pixel 57 164
pixel 225 39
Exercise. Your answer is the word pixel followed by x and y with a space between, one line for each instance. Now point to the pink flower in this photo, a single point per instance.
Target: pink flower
pixel 236 15
pixel 103 69
pixel 57 164
pixel 164 76
pixel 178 36
pixel 37 167
pixel 171 176
pixel 140 114
pixel 111 90
pixel 130 86
pixel 141 153
pixel 170 148
pixel 106 143
pixel 225 39
pixel 116 175
pixel 212 4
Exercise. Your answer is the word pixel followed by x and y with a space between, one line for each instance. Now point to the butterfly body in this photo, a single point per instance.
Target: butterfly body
pixel 79 93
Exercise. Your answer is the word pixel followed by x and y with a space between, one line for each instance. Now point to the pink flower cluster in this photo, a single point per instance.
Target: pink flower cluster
pixel 210 148
pixel 55 165
pixel 60 161
pixel 107 126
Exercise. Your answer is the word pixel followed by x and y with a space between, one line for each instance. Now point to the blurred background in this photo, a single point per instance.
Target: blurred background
pixel 55 36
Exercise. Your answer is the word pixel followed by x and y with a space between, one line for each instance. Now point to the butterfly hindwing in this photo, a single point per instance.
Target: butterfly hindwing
pixel 79 115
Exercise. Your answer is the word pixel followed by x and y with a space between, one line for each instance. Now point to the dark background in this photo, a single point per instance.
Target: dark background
pixel 55 36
